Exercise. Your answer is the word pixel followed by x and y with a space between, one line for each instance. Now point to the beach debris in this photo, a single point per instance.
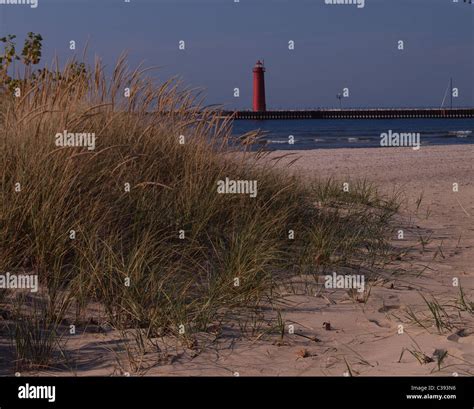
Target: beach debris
pixel 439 354
pixel 303 353
pixel 314 339
pixel 426 359
pixel 190 343
pixel 280 343
pixel 327 326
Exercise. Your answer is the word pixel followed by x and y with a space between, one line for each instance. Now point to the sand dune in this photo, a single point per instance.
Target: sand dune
pixel 362 338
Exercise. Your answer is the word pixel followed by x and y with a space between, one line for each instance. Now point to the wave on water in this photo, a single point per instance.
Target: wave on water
pixel 278 141
pixel 361 139
pixel 460 134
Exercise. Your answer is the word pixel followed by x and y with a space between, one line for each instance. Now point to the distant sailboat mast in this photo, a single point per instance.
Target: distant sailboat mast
pixel 451 92
pixel 450 88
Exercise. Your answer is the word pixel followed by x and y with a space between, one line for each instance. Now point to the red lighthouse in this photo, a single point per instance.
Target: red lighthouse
pixel 259 103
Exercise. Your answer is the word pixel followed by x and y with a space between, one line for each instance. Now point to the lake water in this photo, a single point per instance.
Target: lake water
pixel 360 133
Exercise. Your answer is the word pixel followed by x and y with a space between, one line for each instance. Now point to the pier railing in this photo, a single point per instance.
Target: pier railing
pixel 393 113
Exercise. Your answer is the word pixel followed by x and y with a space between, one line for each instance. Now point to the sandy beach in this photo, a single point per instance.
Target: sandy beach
pixel 365 337
pixel 375 337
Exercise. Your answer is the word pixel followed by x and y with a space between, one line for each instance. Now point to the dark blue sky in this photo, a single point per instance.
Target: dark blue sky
pixel 336 46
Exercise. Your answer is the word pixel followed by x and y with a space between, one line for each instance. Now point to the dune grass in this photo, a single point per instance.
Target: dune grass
pixel 137 225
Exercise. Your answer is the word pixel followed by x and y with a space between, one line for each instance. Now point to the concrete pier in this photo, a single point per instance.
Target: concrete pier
pixel 402 113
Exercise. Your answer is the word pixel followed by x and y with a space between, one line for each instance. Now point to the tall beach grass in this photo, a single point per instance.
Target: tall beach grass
pixel 137 226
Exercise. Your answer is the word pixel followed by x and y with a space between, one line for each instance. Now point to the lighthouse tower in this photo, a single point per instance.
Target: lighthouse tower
pixel 259 103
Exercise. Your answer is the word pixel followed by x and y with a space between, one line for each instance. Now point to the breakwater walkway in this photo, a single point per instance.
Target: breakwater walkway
pixel 392 113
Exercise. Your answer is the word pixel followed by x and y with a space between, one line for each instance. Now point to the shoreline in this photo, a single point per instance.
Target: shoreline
pixel 333 161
